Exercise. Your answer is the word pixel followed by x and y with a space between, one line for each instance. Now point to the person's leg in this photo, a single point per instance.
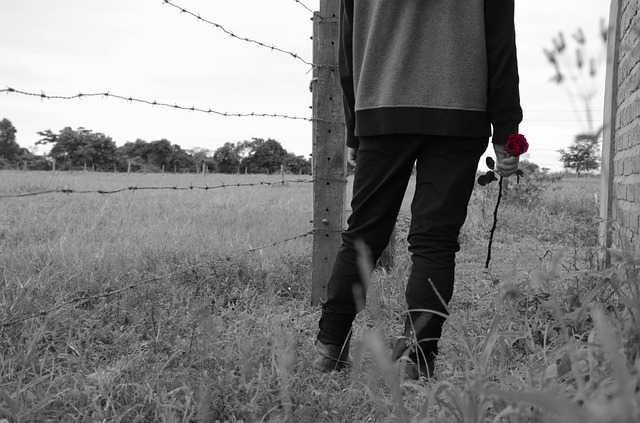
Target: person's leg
pixel 383 168
pixel 446 173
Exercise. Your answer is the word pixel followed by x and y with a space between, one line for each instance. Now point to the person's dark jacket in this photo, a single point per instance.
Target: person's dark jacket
pixel 435 67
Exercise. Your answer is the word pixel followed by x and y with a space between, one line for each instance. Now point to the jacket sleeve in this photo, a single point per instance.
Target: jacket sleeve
pixel 345 65
pixel 503 105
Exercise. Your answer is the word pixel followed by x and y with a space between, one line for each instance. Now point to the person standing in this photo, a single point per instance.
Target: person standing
pixel 424 82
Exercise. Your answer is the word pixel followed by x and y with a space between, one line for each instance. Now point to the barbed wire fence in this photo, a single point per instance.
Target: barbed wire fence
pixel 43 96
pixel 304 5
pixel 232 34
pixel 157 188
pixel 78 299
pixel 130 99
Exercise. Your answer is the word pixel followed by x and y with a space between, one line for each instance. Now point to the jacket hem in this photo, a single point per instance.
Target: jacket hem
pixel 420 120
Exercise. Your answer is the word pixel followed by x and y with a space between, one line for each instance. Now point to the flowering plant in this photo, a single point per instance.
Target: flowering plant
pixel 516 145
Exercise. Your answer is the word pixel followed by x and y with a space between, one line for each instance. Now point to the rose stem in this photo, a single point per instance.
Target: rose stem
pixel 495 223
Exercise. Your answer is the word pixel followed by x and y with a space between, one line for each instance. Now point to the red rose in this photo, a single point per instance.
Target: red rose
pixel 516 145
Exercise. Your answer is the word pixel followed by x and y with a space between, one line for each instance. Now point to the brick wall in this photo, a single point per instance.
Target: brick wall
pixel 625 142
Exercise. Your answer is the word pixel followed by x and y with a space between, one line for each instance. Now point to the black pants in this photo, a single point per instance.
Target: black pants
pixel 446 171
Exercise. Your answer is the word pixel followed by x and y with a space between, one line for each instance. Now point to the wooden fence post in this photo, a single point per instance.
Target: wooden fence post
pixel 609 134
pixel 329 148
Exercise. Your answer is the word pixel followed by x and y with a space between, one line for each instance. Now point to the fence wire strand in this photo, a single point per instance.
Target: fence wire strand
pixel 304 5
pixel 131 99
pixel 158 188
pixel 80 299
pixel 42 95
pixel 246 39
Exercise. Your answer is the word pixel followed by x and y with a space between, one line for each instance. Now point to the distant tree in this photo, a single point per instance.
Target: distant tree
pixel 180 160
pixel 244 149
pixel 582 155
pixel 99 150
pixel 159 154
pixel 134 154
pixel 72 149
pixel 11 154
pixel 9 149
pixel 154 156
pixel 75 148
pixel 266 156
pixel 47 137
pixel 297 164
pixel 204 156
pixel 226 158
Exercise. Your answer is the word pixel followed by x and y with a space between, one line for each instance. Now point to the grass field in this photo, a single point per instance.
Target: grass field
pixel 231 339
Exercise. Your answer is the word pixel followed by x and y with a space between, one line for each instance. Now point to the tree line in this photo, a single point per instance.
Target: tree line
pixel 81 148
pixel 77 149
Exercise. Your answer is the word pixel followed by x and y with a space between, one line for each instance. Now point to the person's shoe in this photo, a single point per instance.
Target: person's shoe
pixel 416 365
pixel 414 370
pixel 331 357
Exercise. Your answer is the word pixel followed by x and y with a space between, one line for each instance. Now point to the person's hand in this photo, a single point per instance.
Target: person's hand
pixel 352 155
pixel 507 164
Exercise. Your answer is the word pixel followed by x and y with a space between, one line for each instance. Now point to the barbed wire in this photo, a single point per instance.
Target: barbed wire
pixel 282 241
pixel 304 5
pixel 246 39
pixel 131 99
pixel 283 182
pixel 80 299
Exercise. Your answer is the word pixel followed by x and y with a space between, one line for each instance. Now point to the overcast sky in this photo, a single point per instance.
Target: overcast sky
pixel 146 49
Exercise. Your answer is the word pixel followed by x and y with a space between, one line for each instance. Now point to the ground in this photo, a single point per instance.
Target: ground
pixel 202 330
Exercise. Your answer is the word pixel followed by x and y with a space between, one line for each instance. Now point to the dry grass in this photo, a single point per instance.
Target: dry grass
pixel 232 339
